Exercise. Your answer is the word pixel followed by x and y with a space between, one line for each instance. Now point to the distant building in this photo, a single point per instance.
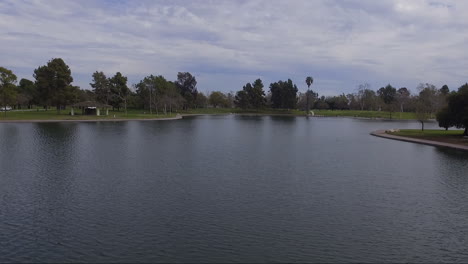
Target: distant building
pixel 91 108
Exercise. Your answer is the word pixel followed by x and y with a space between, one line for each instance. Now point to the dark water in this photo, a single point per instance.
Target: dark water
pixel 228 189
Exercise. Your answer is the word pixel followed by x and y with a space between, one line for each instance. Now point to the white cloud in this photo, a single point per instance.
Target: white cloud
pixel 340 43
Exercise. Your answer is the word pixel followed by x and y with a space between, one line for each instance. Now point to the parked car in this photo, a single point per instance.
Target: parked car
pixel 5 108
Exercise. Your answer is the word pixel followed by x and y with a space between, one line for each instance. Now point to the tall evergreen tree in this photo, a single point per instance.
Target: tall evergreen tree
pixel 251 95
pixel 187 85
pixel 283 94
pixel 241 99
pixel 53 82
pixel 257 95
pixel 119 90
pixel 101 87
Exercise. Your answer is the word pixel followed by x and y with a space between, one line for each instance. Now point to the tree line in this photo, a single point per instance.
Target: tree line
pixel 52 87
pixel 455 112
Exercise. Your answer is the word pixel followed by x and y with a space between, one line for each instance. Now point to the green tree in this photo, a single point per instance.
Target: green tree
pixel 201 100
pixel 101 87
pixel 337 102
pixel 429 95
pixel 353 102
pixel 251 96
pixel 445 118
pixel 444 90
pixel 241 99
pixel 457 109
pixel 53 82
pixel 163 88
pixel 187 85
pixel 425 103
pixel 149 92
pixel 402 97
pixel 156 93
pixel 72 95
pixel 86 95
pixel 119 91
pixel 7 87
pixel 257 95
pixel 422 112
pixel 309 81
pixel 366 97
pixel 321 103
pixel 230 97
pixel 360 94
pixel 27 92
pixel 302 99
pixel 283 94
pixel 217 99
pixel 173 97
pixel 388 94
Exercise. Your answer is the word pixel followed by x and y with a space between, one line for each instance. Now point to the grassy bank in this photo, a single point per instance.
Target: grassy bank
pixel 366 114
pixel 40 114
pixel 266 111
pixel 449 136
pixel 64 115
pixel 328 113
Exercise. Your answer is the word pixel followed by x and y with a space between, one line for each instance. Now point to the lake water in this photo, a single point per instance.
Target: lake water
pixel 229 189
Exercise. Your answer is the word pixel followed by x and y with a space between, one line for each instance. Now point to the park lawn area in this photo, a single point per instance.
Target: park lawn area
pixel 207 111
pixel 64 115
pixel 441 135
pixel 41 114
pixel 262 111
pixel 270 111
pixel 295 112
pixel 366 114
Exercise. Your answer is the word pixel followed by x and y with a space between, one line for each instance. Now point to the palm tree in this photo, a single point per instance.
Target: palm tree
pixel 309 80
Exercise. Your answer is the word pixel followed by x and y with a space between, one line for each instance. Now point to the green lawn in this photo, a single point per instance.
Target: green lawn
pixel 64 115
pixel 40 114
pixel 330 113
pixel 441 135
pixel 366 114
pixel 265 111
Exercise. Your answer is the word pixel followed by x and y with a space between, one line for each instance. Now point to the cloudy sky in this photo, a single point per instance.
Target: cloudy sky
pixel 341 43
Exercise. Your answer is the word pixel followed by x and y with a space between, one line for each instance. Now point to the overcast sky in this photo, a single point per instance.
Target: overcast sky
pixel 341 43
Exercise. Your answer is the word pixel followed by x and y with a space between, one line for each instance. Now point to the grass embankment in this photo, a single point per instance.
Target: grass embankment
pixel 40 114
pixel 265 111
pixel 367 114
pixel 449 136
pixel 328 113
pixel 64 115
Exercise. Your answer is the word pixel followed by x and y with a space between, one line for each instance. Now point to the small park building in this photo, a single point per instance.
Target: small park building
pixel 91 108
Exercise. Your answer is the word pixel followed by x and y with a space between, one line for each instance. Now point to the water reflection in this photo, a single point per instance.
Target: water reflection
pixel 286 119
pixel 452 154
pixel 225 188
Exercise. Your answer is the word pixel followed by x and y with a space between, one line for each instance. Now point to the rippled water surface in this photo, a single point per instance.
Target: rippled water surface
pixel 228 189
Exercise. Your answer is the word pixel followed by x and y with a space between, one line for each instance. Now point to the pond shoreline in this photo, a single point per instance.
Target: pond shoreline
pixel 92 120
pixel 180 116
pixel 383 134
